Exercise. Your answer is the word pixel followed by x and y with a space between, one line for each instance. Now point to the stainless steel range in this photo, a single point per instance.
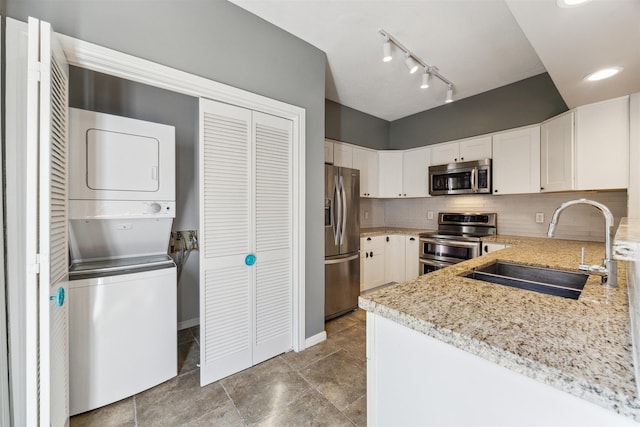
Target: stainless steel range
pixel 458 239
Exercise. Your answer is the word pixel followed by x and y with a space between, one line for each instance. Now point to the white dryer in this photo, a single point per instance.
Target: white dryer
pixel 122 291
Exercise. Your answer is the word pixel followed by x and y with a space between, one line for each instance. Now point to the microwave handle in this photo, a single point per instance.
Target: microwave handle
pixel 474 174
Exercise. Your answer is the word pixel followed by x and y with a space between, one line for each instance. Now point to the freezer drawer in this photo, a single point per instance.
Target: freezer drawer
pixel 342 285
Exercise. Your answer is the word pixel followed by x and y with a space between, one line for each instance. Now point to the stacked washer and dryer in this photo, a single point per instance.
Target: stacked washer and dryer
pixel 122 282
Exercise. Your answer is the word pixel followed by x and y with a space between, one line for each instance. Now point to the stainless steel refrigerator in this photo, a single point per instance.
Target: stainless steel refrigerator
pixel 341 240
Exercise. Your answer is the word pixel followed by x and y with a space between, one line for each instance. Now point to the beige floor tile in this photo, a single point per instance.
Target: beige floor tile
pixel 310 355
pixel 185 335
pixel 121 413
pixel 352 340
pixel 357 412
pixel 178 401
pixel 311 409
pixel 265 389
pixel 224 415
pixel 340 377
pixel 188 357
pixel 336 325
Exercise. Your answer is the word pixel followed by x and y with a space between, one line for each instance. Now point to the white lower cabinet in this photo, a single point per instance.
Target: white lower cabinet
pixel 394 258
pixel 388 258
pixel 411 257
pixel 372 262
pixel 417 380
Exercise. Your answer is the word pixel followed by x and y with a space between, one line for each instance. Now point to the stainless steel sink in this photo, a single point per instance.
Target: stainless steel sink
pixel 538 279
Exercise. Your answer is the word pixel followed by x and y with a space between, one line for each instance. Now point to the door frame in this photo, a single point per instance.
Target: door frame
pixel 97 58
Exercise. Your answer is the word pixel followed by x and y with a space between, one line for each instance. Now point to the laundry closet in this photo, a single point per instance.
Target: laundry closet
pixel 132 175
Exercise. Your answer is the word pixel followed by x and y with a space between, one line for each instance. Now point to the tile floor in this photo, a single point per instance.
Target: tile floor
pixel 323 385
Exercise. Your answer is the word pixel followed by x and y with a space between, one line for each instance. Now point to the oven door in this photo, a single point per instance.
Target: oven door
pixel 446 250
pixel 429 265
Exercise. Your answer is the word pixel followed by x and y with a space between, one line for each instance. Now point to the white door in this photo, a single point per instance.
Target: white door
pixel 246 235
pixel 46 217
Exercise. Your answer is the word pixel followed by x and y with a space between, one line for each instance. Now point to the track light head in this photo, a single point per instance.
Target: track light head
pixel 386 51
pixel 449 94
pixel 425 79
pixel 411 64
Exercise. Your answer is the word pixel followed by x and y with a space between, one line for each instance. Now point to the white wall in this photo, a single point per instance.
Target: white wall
pixel 516 213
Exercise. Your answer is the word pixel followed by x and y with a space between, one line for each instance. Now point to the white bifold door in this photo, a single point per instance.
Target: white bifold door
pixel 246 286
pixel 46 224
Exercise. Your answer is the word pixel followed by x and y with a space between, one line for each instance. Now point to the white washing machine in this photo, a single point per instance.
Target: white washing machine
pixel 122 283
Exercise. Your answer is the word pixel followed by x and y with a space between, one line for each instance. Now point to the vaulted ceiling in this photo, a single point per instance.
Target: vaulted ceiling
pixel 479 45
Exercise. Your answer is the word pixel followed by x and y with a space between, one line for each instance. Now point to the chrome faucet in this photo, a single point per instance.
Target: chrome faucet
pixel 609 268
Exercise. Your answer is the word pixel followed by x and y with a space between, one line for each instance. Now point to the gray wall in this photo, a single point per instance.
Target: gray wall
pixel 526 102
pixel 222 42
pixel 348 125
pixel 107 94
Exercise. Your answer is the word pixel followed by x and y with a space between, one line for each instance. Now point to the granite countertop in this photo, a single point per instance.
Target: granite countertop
pixel 381 231
pixel 582 347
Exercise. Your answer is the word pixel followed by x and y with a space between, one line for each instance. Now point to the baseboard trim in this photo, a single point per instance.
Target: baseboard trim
pixel 188 323
pixel 316 339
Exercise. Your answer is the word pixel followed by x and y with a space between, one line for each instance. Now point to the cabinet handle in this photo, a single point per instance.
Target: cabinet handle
pixel 412 239
pixel 368 239
pixel 461 158
pixel 387 238
pixel 371 254
pixel 486 248
pixel 542 188
pixel 366 254
pixel 455 160
pixel 405 194
pixel 399 194
pixel 495 191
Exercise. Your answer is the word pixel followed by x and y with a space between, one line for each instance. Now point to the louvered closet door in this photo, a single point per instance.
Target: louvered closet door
pixel 226 228
pixel 47 156
pixel 273 207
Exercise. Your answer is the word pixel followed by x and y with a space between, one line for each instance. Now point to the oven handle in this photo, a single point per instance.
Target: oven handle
pixel 453 243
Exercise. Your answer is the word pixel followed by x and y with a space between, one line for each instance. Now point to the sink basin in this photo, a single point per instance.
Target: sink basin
pixel 565 284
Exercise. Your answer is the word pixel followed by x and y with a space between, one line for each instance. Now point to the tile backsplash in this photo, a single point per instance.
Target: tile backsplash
pixel 516 213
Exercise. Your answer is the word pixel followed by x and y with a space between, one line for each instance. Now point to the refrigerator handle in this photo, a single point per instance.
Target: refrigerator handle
pixel 336 210
pixel 344 210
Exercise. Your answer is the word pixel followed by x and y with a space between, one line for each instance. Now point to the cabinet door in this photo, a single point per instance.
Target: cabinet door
pixel 366 161
pixel 475 149
pixel 415 172
pixel 516 161
pixel 343 155
pixel 492 247
pixel 390 183
pixel 602 145
pixel 442 154
pixel 328 152
pixel 373 272
pixel 394 258
pixel 557 154
pixel 411 257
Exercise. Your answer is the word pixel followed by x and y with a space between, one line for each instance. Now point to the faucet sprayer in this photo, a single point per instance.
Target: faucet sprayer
pixel 609 269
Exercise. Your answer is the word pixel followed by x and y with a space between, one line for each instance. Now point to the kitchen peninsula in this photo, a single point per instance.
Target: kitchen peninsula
pixel 446 349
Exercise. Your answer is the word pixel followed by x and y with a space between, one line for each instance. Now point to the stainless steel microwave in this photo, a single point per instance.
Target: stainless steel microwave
pixel 460 178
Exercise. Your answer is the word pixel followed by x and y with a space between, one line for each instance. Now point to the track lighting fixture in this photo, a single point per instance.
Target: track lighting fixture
pixel 413 63
pixel 386 51
pixel 425 79
pixel 449 94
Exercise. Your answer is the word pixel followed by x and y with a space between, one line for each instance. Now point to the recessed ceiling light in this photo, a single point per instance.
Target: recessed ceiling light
pixel 570 3
pixel 603 74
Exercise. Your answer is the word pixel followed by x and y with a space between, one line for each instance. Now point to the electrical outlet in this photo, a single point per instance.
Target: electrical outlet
pixel 539 217
pixel 430 215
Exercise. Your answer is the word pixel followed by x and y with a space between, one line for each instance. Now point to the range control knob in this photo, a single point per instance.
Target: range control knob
pixel 155 207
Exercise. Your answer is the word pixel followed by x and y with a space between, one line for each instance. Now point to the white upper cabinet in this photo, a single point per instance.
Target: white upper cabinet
pixel 516 161
pixel 343 155
pixel 415 172
pixel 461 151
pixel 390 173
pixel 328 151
pixel 366 161
pixel 602 145
pixel 557 153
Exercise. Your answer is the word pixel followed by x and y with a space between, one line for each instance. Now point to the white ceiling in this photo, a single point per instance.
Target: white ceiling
pixel 477 44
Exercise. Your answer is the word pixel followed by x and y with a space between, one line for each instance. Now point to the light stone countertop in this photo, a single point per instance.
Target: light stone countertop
pixel 582 347
pixel 626 245
pixel 381 231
